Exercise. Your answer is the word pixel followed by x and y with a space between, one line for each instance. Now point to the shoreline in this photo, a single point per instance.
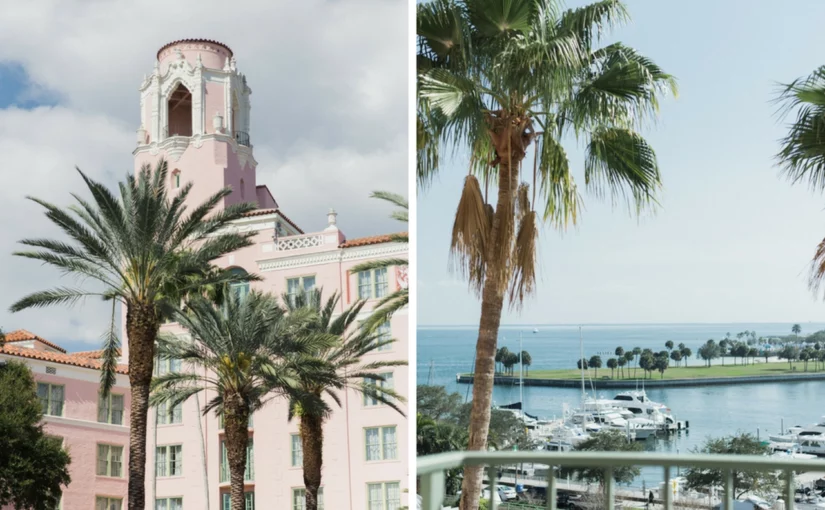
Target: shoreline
pixel 648 383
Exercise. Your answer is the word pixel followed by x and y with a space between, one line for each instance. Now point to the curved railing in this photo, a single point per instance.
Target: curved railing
pixel 431 470
pixel 242 137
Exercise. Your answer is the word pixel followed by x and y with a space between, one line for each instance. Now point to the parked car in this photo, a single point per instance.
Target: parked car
pixel 507 493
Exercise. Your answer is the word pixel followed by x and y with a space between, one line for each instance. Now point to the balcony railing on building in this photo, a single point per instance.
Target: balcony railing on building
pixel 242 137
pixel 431 471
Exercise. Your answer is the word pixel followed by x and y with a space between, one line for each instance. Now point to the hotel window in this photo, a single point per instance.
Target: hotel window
pixel 110 409
pixel 386 383
pixel 383 333
pixel 296 285
pixel 106 503
pixel 176 179
pixel 169 504
pixel 381 443
pixel 109 460
pixel 51 398
pixel 373 284
pixel 164 366
pixel 299 499
pixel 239 289
pixel 249 501
pixel 384 496
pixel 169 460
pixel 220 421
pixel 297 450
pixel 249 474
pixel 169 416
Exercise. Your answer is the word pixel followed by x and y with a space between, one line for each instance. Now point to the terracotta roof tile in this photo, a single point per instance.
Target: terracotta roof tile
pixel 210 41
pixel 365 241
pixel 90 354
pixel 55 357
pixel 21 335
pixel 264 212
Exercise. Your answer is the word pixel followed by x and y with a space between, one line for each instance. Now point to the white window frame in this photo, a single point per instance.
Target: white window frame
pixel 374 283
pixel 296 454
pixel 110 449
pixel 299 498
pixel 165 416
pixel 382 446
pixel 169 468
pixel 384 504
pixel 49 403
pixel 110 409
pixel 164 366
pixel 167 503
pixel 108 503
pixel 301 284
pixel 249 500
pixel 388 383
pixel 249 472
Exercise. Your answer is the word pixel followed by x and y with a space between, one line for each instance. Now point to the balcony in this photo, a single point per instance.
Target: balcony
pixel 431 472
pixel 242 137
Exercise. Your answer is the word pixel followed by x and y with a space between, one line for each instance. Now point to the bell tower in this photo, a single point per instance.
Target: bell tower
pixel 194 112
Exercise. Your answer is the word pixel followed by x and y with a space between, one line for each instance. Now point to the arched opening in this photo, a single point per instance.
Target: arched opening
pixel 180 112
pixel 240 289
pixel 175 178
pixel 243 191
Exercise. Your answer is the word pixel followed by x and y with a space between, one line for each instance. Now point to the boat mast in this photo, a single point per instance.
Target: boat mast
pixel 521 374
pixel 581 352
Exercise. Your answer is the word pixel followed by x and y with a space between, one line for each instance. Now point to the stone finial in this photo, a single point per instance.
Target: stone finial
pixel 332 218
pixel 226 65
pixel 141 135
pixel 178 54
pixel 217 122
pixel 232 63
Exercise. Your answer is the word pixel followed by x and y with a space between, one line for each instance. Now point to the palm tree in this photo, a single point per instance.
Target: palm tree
pixel 621 362
pixel 637 352
pixel 526 361
pixel 501 355
pixel 390 304
pixel 612 363
pixel 494 78
pixel 137 246
pixel 345 371
pixel 619 354
pixel 669 345
pixel 685 352
pixel 242 354
pixel 796 329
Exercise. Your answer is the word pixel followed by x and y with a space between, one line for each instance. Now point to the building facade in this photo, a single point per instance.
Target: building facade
pixel 195 113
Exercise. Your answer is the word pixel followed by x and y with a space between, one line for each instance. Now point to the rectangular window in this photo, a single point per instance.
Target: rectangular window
pixel 109 460
pixel 51 398
pixel 296 285
pixel 373 284
pixel 297 450
pixel 386 383
pixel 249 501
pixel 169 504
pixel 105 503
pixel 383 333
pixel 167 416
pixel 384 496
pixel 381 443
pixel 169 460
pixel 110 409
pixel 249 474
pixel 164 366
pixel 177 180
pixel 299 499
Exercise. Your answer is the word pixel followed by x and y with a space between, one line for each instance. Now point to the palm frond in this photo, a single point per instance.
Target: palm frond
pixel 109 358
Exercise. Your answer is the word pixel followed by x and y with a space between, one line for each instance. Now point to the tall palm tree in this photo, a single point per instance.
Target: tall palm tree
pixel 136 246
pixel 796 329
pixel 401 297
pixel 346 370
pixel 496 76
pixel 526 361
pixel 245 353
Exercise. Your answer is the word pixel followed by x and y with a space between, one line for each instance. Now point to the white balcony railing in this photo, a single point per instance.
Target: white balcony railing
pixel 298 242
pixel 431 471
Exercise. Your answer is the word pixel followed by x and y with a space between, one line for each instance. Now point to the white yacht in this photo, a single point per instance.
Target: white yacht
pixel 797 433
pixel 645 420
pixel 812 444
pixel 638 399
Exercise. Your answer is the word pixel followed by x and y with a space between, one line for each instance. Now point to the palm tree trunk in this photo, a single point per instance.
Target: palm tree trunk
pixel 492 302
pixel 312 442
pixel 142 324
pixel 236 427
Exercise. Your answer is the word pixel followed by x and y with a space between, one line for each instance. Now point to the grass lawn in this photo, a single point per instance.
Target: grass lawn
pixel 728 370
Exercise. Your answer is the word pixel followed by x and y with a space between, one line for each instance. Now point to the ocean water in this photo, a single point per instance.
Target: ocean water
pixel 711 410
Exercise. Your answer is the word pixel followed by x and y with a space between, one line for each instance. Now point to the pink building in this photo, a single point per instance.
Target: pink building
pixel 194 111
pixel 94 431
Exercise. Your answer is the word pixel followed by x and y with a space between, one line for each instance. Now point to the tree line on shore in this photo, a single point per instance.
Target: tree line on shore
pixel 507 360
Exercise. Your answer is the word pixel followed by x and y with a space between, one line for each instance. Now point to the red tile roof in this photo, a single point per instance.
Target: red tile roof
pixel 55 357
pixel 365 241
pixel 21 335
pixel 195 41
pixel 264 212
pixel 91 354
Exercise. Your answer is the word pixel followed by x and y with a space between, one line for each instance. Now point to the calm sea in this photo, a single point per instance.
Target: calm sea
pixel 711 410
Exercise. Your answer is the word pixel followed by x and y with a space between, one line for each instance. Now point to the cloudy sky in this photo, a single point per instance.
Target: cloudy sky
pixel 329 101
pixel 732 240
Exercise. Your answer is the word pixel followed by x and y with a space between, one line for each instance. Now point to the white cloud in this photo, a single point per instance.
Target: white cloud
pixel 328 113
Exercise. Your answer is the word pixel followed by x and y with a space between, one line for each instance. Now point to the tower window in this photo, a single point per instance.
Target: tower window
pixel 176 179
pixel 180 112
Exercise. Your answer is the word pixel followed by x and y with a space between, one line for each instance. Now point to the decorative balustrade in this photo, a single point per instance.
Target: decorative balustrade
pixel 242 138
pixel 431 471
pixel 298 242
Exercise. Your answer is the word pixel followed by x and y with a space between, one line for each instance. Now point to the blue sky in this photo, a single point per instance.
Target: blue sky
pixel 731 241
